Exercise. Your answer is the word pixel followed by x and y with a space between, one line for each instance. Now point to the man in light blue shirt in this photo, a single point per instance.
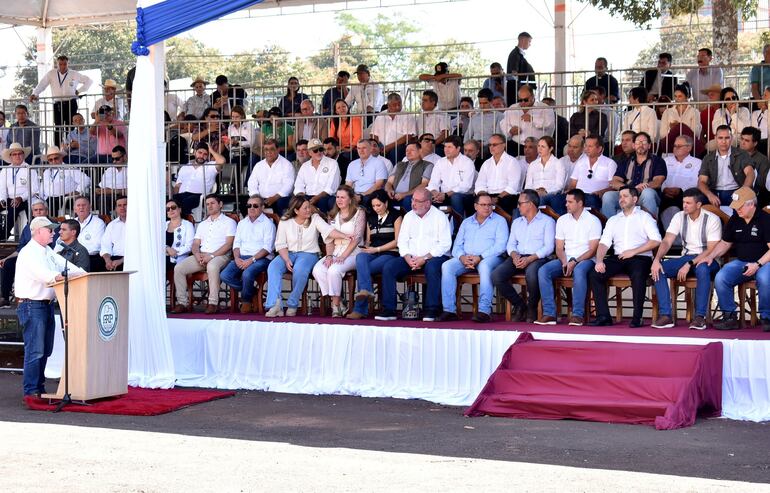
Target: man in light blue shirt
pixel 484 123
pixel 530 244
pixel 478 247
pixel 366 174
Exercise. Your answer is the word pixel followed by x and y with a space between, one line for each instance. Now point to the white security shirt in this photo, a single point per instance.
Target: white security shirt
pixel 91 232
pixel 681 174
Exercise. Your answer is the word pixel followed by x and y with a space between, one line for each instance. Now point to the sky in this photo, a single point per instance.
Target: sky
pixel 492 25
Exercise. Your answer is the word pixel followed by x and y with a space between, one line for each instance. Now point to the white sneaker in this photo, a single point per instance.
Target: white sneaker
pixel 338 311
pixel 275 311
pixel 291 312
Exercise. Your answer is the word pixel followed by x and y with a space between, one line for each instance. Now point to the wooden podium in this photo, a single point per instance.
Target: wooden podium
pixel 98 336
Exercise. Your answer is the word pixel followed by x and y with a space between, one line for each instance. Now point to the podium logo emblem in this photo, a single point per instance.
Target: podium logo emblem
pixel 107 318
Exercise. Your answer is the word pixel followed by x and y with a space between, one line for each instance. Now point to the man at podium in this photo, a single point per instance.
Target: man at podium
pixel 36 267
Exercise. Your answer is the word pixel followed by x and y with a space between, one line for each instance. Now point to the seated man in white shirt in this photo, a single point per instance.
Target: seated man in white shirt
pixel 526 118
pixel 568 162
pixel 682 174
pixel 500 176
pixel 633 234
pixel 91 231
pixel 318 178
pixel 252 252
pixel 272 178
pixel 394 129
pixel 18 185
pixel 424 244
pixel 198 177
pixel 365 174
pixel 114 239
pixel 594 173
pixel 114 181
pixel 59 184
pixel 451 182
pixel 211 252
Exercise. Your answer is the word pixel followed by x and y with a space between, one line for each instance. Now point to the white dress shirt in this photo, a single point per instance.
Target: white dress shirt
pixel 91 232
pixel 114 239
pixel 433 123
pixel 420 236
pixel 389 127
pixel 602 172
pixel 457 176
pixel 682 174
pixel 758 120
pixel 362 95
pixel 629 232
pixel 569 165
pixel 448 93
pixel 641 119
pixel 63 86
pixel 543 121
pixel 267 180
pixel 312 181
pixel 63 181
pixel 577 233
pixel 197 179
pixel 690 117
pixel 213 233
pixel 19 181
pixel 549 176
pixel 253 236
pixel 503 176
pixel 693 244
pixel 115 178
pixel 36 267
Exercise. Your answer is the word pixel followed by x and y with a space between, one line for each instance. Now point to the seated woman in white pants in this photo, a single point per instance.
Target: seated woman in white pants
pixel 349 219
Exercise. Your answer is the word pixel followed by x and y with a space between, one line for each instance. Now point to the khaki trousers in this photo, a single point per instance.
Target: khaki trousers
pixel 189 266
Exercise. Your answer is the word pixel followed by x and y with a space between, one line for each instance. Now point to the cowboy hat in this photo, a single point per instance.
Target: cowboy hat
pixel 53 150
pixel 110 83
pixel 15 147
pixel 710 89
pixel 199 79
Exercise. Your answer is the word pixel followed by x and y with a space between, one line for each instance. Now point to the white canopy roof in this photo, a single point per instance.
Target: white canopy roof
pixel 51 13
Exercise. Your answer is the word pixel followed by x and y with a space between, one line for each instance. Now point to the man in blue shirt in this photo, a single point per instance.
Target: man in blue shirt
pixel 365 174
pixel 530 244
pixel 478 247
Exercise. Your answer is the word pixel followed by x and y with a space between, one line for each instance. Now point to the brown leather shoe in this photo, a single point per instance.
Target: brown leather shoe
pixel 180 309
pixel 546 320
pixel 576 321
pixel 211 309
pixel 355 316
pixel 246 308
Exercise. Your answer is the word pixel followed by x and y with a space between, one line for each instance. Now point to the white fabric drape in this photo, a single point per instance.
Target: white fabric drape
pixel 150 361
pixel 445 366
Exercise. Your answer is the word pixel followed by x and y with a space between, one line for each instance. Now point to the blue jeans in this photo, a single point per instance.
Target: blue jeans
pixel 405 203
pixel 37 321
pixel 649 199
pixel 453 268
pixel 551 271
pixel 397 268
pixel 556 201
pixel 730 275
pixel 703 273
pixel 725 196
pixel 368 264
pixel 243 280
pixel 303 264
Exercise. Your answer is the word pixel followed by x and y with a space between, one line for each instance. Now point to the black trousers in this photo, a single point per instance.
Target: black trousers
pixel 97 263
pixel 637 268
pixel 501 278
pixel 62 117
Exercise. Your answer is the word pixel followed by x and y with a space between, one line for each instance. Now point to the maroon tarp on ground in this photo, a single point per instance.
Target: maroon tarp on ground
pixel 138 402
pixel 663 385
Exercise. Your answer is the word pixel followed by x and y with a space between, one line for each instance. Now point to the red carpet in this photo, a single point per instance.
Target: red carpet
pixel 499 323
pixel 662 385
pixel 138 402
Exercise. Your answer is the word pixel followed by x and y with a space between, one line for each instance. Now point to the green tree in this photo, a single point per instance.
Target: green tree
pixel 188 57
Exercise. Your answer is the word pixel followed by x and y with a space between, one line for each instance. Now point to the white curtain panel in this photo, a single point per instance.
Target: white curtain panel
pixel 445 366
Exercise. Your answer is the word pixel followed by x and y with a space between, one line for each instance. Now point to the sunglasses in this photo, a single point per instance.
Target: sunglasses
pixel 590 174
pixel 253 206
pixel 429 140
pixel 731 99
pixel 171 208
pixel 316 150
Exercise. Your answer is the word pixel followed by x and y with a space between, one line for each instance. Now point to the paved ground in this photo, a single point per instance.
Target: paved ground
pixel 716 449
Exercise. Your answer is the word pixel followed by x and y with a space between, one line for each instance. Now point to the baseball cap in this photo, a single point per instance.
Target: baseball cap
pixel 740 197
pixel 314 144
pixel 42 222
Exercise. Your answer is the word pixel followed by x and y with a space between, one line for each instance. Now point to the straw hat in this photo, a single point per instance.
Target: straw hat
pixel 52 151
pixel 710 89
pixel 15 147
pixel 110 83
pixel 199 79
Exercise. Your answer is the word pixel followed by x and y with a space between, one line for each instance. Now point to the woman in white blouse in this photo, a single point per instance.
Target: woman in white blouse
pixel 240 135
pixel 546 174
pixel 350 220
pixel 179 235
pixel 730 114
pixel 759 116
pixel 679 119
pixel 296 243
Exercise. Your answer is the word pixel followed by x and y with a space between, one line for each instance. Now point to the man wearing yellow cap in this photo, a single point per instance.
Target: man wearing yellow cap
pixel 748 234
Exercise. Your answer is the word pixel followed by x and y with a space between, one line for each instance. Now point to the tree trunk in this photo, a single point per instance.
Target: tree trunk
pixel 725 31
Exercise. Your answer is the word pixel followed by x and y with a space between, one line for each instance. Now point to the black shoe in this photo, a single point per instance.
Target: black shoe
pixel 765 324
pixel 518 313
pixel 635 323
pixel 600 322
pixel 481 318
pixel 448 317
pixel 429 317
pixel 387 315
pixel 729 321
pixel 531 315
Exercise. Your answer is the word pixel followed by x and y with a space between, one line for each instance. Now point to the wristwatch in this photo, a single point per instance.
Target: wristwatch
pixel 691 263
pixel 573 259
